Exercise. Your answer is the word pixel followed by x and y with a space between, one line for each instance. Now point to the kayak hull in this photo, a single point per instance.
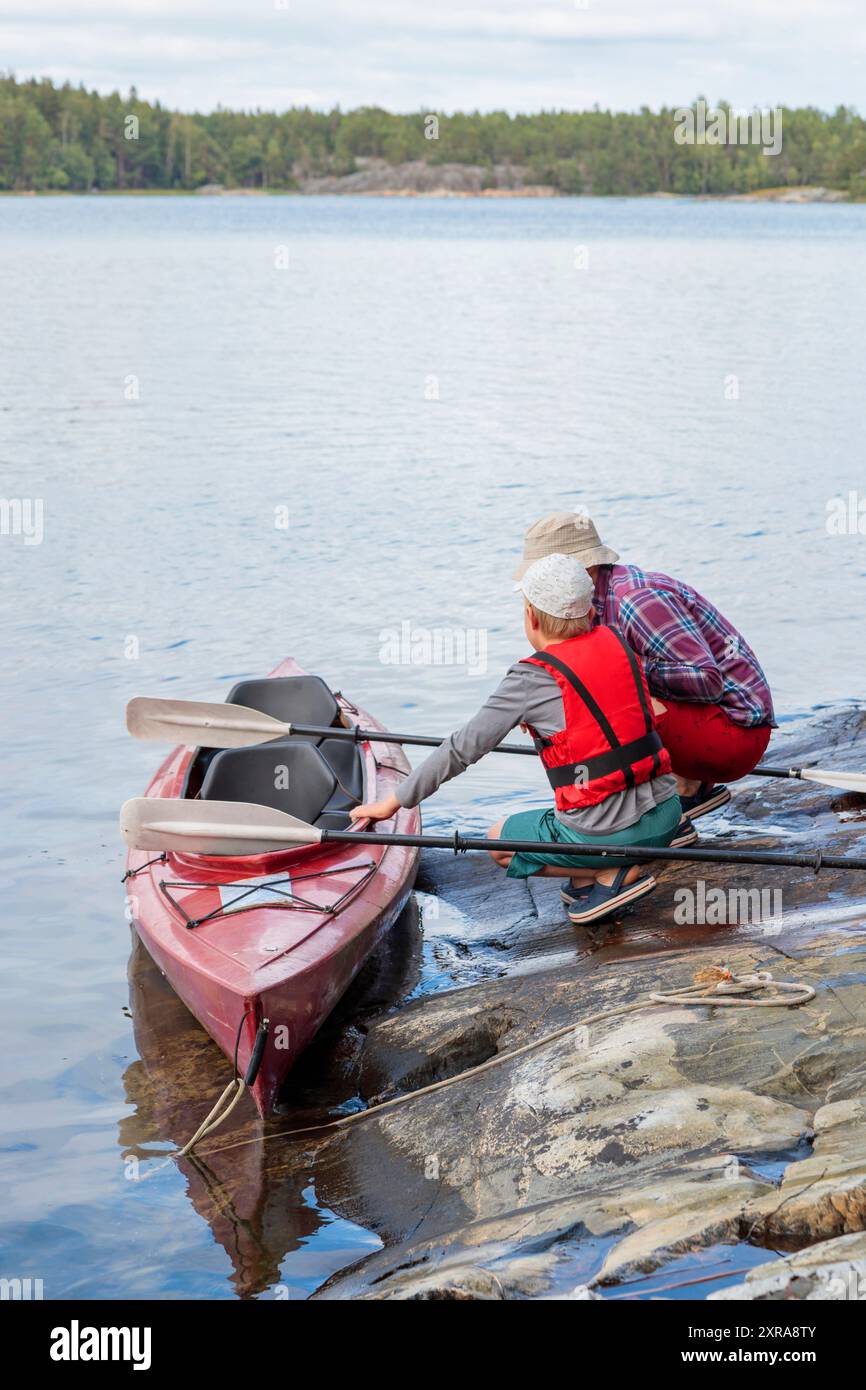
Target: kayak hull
pixel 276 937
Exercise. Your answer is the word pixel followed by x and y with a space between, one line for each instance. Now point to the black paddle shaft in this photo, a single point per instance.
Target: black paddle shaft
pixel 359 735
pixel 461 844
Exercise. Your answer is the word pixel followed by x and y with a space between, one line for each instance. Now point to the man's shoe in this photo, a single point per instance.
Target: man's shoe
pixel 707 798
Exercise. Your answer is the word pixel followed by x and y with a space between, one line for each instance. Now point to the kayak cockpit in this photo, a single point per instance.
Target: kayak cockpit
pixel 319 779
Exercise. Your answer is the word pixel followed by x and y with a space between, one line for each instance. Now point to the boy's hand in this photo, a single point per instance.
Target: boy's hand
pixel 376 810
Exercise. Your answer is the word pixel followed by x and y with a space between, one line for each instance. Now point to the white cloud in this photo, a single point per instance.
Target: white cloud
pixel 447 54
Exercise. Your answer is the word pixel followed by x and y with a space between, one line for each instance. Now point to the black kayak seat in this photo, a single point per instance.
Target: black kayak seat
pixel 343 756
pixel 294 699
pixel 290 775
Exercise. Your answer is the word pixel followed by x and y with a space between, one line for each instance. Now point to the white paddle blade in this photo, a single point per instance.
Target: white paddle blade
pixel 847 781
pixel 211 827
pixel 198 723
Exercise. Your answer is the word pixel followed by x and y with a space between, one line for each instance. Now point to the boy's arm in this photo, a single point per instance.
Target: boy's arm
pixel 500 713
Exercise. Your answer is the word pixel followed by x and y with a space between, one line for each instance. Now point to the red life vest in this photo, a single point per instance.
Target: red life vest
pixel 609 742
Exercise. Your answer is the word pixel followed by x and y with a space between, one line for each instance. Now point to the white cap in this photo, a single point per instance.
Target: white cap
pixel 558 585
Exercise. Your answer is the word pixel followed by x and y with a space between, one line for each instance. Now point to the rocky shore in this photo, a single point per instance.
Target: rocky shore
pixel 801 194
pixel 378 178
pixel 664 1151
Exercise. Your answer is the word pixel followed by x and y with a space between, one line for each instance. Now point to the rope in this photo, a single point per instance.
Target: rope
pixel 719 985
pixel 210 1122
pixel 215 1118
pixel 713 986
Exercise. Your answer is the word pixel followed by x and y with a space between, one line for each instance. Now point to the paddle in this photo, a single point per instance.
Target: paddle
pixel 240 827
pixel 235 726
pixel 847 781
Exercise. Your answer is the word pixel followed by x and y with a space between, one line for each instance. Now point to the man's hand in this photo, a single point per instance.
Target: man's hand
pixel 376 810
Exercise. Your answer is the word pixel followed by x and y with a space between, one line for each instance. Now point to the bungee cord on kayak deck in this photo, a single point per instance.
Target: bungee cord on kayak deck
pixel 713 987
pixel 281 888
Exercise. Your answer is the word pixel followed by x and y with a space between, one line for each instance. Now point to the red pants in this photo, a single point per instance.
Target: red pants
pixel 705 744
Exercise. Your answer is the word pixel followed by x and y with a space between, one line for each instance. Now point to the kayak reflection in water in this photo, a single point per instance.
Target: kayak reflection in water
pixel 583 696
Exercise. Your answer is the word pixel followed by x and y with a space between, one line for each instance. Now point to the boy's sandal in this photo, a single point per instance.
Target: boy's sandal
pixel 686 834
pixel 603 901
pixel 570 894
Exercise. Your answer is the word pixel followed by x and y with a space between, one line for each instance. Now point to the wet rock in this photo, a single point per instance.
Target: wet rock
pixel 473 1038
pixel 833 1271
pixel 825 1195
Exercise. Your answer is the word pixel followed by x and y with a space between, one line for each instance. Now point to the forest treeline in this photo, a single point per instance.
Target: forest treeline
pixel 67 138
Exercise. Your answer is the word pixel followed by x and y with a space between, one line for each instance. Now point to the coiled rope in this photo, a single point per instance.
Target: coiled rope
pixel 714 985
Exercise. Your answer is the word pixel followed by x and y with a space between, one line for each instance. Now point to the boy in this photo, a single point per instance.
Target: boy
pixel 584 698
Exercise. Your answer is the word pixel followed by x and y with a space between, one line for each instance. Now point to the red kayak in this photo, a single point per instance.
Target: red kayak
pixel 275 937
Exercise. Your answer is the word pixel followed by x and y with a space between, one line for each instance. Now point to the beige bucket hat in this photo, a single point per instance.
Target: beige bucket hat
pixel 564 533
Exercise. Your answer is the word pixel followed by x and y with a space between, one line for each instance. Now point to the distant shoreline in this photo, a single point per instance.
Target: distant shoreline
pixel 793 196
pixel 62 138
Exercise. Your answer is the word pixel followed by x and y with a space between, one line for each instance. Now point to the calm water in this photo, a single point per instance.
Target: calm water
pixel 406 385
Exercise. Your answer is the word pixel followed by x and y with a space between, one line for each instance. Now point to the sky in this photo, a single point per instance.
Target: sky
pixel 446 55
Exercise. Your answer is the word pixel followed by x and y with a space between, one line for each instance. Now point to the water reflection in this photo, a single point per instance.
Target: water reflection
pixel 258 1198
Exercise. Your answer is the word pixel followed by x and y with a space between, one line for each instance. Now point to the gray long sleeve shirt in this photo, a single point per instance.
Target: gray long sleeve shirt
pixel 528 695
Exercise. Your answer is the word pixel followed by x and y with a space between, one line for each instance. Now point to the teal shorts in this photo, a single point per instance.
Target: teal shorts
pixel 656 827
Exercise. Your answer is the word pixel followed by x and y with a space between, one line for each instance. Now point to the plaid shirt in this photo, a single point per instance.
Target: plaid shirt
pixel 689 651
